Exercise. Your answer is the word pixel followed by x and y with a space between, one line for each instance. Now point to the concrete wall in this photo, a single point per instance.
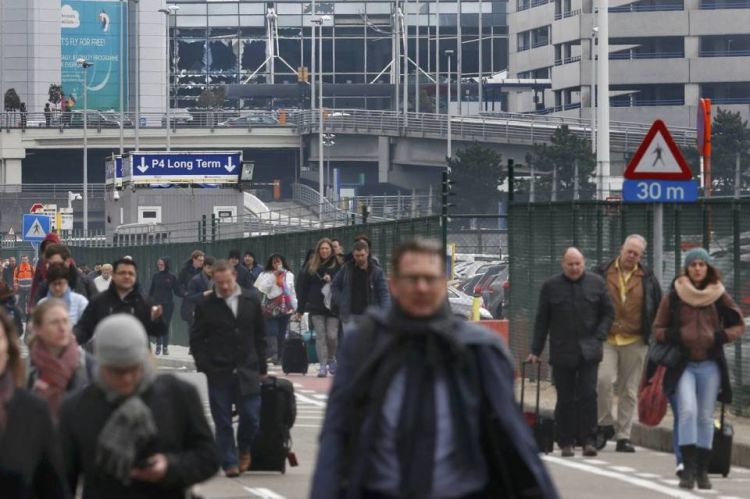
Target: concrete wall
pixel 153 65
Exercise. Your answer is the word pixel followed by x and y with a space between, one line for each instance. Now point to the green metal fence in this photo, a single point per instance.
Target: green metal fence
pixel 294 246
pixel 539 234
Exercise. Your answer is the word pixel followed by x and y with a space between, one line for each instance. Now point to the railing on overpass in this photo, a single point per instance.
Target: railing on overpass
pixel 494 127
pixel 96 191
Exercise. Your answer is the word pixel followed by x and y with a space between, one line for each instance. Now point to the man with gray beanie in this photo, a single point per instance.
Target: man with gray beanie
pixel 133 433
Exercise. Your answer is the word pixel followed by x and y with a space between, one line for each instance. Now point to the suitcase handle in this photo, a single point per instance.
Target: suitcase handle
pixel 538 384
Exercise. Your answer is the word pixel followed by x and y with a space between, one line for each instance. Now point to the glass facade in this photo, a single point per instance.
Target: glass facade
pixel 225 42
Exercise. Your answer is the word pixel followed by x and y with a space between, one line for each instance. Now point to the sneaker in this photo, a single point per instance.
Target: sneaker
pixel 158 349
pixel 165 350
pixel 604 434
pixel 322 372
pixel 245 461
pixel 567 451
pixel 590 451
pixel 232 472
pixel 678 471
pixel 332 367
pixel 624 445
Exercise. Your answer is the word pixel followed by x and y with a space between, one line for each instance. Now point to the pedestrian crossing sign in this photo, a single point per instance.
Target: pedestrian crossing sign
pixel 35 227
pixel 658 157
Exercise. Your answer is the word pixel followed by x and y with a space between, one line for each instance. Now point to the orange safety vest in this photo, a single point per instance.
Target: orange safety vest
pixel 24 275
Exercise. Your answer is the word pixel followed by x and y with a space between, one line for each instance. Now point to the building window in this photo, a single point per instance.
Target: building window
pixel 647 95
pixel 725 46
pixel 534 74
pixel 725 4
pixel 727 93
pixel 540 36
pixel 657 47
pixel 524 41
pixel 650 6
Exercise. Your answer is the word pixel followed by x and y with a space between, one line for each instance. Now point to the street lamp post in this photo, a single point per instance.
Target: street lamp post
pixel 449 53
pixel 171 9
pixel 318 21
pixel 328 142
pixel 136 36
pixel 85 65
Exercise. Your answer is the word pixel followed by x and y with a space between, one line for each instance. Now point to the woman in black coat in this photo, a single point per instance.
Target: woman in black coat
pixel 30 462
pixel 164 287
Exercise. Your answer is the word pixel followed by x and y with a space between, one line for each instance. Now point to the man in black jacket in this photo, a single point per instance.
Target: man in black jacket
pixel 244 277
pixel 576 312
pixel 228 343
pixel 199 286
pixel 123 297
pixel 133 434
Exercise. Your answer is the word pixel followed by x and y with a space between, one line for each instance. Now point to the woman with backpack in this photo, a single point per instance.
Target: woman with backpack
pixel 57 365
pixel 315 298
pixel 698 317
pixel 279 300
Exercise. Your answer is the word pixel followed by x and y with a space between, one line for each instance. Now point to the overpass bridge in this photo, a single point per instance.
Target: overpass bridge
pixel 397 142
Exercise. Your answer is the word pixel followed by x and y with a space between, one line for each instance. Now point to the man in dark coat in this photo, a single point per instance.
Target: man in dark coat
pixel 228 343
pixel 576 312
pixel 164 287
pixel 199 286
pixel 244 277
pixel 359 284
pixel 133 434
pixel 123 296
pixel 191 269
pixel 423 402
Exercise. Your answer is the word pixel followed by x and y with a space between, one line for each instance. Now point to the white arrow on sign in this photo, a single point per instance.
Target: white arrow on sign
pixel 229 166
pixel 142 167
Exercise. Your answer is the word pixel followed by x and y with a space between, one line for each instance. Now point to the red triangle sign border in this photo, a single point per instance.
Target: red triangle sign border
pixel 658 127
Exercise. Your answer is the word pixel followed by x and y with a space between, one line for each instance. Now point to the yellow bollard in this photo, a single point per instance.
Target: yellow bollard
pixel 476 303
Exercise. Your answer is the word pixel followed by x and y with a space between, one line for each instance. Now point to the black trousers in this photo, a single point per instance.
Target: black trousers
pixel 575 411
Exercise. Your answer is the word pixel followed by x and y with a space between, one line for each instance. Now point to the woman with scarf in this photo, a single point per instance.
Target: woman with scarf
pixel 698 317
pixel 315 280
pixel 57 364
pixel 133 434
pixel 164 287
pixel 58 287
pixel 30 462
pixel 276 284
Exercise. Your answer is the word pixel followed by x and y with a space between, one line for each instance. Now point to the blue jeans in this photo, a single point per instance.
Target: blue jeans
pixel 221 397
pixel 675 429
pixel 276 329
pixel 696 400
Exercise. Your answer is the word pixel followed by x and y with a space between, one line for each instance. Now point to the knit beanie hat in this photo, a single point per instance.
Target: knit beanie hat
pixel 697 254
pixel 120 341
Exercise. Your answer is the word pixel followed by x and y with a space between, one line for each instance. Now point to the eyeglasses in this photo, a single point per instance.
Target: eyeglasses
pixel 413 280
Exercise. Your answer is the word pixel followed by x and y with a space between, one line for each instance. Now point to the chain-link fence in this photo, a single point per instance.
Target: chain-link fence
pixel 540 233
pixel 294 246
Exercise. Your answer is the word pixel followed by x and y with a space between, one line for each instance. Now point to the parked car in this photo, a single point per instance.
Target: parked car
pixel 95 119
pixel 461 304
pixel 496 296
pixel 249 120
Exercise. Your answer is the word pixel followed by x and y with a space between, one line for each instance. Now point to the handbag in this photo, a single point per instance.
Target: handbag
pixel 327 295
pixel 652 403
pixel 664 354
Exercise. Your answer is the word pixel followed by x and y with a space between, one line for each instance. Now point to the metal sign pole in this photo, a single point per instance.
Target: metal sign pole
pixel 658 241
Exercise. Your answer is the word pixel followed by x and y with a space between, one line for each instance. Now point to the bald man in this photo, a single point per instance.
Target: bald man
pixel 575 311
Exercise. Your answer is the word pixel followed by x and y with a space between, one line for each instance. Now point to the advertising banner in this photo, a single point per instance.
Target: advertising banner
pixel 91 30
pixel 212 167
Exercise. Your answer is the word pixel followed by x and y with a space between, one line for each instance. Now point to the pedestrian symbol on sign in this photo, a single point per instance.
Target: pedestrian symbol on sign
pixel 658 152
pixel 35 230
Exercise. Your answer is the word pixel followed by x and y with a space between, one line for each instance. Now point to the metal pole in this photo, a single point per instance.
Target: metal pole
pixel 658 241
pixel 448 110
pixel 459 58
pixel 481 73
pixel 405 37
pixel 437 56
pixel 320 117
pixel 137 35
pixel 592 89
pixel 576 194
pixel 169 113
pixel 122 77
pixel 416 59
pixel 602 149
pixel 85 149
pixel 313 63
pixel 737 177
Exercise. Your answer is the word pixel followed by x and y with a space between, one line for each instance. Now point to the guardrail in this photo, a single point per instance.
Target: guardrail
pixel 628 55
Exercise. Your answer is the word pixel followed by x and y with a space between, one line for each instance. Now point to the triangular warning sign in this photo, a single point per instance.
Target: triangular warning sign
pixel 658 157
pixel 36 230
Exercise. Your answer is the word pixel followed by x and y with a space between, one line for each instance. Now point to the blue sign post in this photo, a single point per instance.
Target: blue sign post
pixel 35 227
pixel 183 167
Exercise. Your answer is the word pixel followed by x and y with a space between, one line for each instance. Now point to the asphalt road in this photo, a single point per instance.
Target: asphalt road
pixel 645 474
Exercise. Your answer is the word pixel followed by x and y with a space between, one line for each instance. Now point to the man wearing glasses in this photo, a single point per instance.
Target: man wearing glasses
pixel 422 402
pixel 124 296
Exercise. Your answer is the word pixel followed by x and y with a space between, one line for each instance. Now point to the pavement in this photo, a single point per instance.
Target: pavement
pixel 649 473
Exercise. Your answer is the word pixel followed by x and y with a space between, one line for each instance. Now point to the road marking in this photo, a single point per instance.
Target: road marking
pixel 595 461
pixel 321 396
pixel 264 493
pixel 647 475
pixel 309 400
pixel 307 391
pixel 638 482
pixel 297 385
pixel 622 469
pixel 306 426
pixel 307 416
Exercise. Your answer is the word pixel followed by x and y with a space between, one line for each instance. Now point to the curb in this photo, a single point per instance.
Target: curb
pixel 162 361
pixel 659 438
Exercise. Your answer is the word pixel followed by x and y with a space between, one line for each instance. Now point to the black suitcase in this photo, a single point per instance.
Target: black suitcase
pixel 542 426
pixel 294 357
pixel 273 443
pixel 721 451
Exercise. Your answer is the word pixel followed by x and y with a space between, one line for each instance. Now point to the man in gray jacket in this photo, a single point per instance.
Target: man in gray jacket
pixel 576 312
pixel 360 283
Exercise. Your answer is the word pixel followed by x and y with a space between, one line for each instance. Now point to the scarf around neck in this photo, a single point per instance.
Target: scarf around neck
pixel 55 371
pixel 695 297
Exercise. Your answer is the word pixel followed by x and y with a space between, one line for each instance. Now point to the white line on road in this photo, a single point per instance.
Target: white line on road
pixel 622 469
pixel 306 426
pixel 638 482
pixel 263 493
pixel 321 396
pixel 647 475
pixel 307 391
pixel 309 400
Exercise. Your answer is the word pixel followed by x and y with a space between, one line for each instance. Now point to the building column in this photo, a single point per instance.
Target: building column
pixel 384 159
pixel 10 175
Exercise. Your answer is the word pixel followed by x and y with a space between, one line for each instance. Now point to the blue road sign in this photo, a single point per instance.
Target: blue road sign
pixel 35 227
pixel 660 191
pixel 186 167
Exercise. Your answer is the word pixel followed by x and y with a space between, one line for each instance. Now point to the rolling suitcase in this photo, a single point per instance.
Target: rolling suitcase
pixel 721 450
pixel 542 426
pixel 272 446
pixel 312 351
pixel 294 358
